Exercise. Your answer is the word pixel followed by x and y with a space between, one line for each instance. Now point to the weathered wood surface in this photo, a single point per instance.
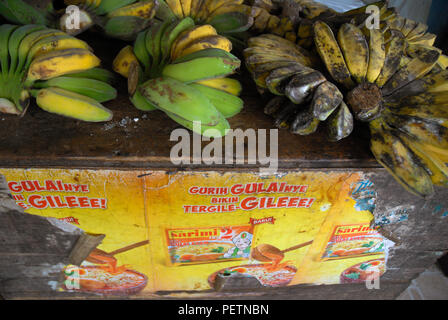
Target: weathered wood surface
pixel 33 250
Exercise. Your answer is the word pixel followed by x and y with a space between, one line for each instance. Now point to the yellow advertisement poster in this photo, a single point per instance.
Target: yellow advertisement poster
pixel 211 231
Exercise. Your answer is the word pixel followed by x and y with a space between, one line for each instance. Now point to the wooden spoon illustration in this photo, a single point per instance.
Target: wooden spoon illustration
pixel 268 253
pixel 101 257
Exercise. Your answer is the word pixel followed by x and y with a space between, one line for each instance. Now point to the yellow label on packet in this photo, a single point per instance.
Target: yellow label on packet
pixel 205 245
pixel 350 241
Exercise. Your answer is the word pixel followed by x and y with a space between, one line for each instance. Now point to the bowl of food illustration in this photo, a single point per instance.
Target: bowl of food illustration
pixel 266 274
pixel 97 279
pixel 363 271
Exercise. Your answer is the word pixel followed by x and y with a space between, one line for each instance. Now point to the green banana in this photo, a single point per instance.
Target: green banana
pixel 206 53
pixel 107 6
pixel 95 74
pixel 153 44
pixel 228 104
pixel 14 43
pixel 20 12
pixel 231 22
pixel 8 15
pixel 216 131
pixel 171 35
pixel 5 33
pixel 30 40
pixel 173 96
pixel 125 27
pixel 201 68
pixel 140 51
pixel 139 101
pixel 164 12
pixel 98 90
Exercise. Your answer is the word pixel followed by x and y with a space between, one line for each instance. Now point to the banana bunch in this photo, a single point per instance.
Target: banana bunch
pixel 181 68
pixel 404 102
pixel 121 19
pixel 312 9
pixel 415 34
pixel 292 19
pixel 295 22
pixel 226 16
pixel 28 12
pixel 60 71
pixel 304 98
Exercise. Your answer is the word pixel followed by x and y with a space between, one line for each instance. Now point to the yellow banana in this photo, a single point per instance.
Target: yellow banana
pixel 437 170
pixel 356 51
pixel 189 36
pixel 73 105
pixel 270 41
pixel 176 7
pixel 418 31
pixel 416 68
pixel 261 22
pixel 231 7
pixel 186 7
pixel 272 24
pixel 435 99
pixel 377 55
pixel 436 82
pixel 305 30
pixel 58 42
pixel 442 154
pixel 143 9
pixel 401 163
pixel 291 36
pixel 196 6
pixel 408 26
pixel 394 52
pixel 228 85
pixel 405 60
pixel 427 39
pixel 58 63
pixel 272 52
pixel 216 41
pixel 443 61
pixel 331 54
pixel 122 63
